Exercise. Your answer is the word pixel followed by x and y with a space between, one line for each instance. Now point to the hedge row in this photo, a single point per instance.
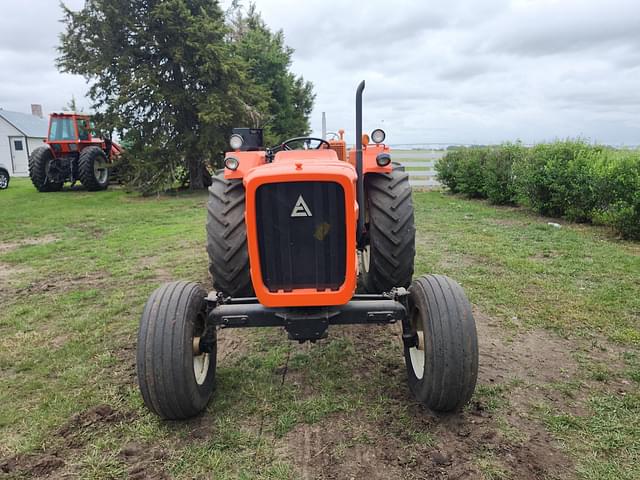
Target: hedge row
pixel 570 179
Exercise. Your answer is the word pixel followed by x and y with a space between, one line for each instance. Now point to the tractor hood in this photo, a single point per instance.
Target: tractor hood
pixel 305 155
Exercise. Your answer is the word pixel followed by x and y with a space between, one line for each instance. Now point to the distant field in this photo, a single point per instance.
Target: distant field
pixel 558 312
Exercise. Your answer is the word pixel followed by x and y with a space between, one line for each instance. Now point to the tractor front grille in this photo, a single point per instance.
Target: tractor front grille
pixel 301 235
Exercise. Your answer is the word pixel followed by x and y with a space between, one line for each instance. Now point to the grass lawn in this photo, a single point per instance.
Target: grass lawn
pixel 558 312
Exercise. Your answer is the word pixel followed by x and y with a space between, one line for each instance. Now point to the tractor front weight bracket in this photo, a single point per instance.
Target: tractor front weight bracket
pixel 308 323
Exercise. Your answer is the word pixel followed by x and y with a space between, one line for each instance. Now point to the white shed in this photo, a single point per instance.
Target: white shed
pixel 20 134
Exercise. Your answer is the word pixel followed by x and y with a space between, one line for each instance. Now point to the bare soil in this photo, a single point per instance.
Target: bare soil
pixel 510 438
pixel 8 246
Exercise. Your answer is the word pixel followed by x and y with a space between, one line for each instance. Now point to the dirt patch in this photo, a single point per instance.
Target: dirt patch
pixel 33 465
pixel 151 264
pixel 459 261
pixel 534 356
pixel 70 439
pixel 65 284
pixel 9 276
pixel 100 414
pixel 232 344
pixel 143 461
pixel 332 449
pixel 9 246
pixel 424 445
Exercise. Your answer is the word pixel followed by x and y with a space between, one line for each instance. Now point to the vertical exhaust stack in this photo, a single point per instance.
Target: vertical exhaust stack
pixel 324 126
pixel 360 187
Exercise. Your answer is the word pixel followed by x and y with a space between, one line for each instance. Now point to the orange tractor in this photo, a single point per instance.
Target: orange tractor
pixel 293 232
pixel 72 152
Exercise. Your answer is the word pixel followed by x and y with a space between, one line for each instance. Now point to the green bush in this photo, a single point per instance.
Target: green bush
pixel 499 181
pixel 462 171
pixel 481 172
pixel 471 172
pixel 618 191
pixel 556 179
pixel 570 179
pixel 447 169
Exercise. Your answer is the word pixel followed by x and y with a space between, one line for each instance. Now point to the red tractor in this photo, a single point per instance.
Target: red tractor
pixel 72 152
pixel 293 232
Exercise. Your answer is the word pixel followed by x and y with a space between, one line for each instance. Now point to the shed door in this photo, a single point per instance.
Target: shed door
pixel 19 155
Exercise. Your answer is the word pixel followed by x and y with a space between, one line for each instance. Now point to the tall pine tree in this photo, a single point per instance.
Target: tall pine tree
pixel 289 98
pixel 173 77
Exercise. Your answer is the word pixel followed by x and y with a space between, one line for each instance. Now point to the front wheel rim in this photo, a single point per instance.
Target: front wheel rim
pixel 3 180
pixel 100 171
pixel 201 367
pixel 201 360
pixel 417 353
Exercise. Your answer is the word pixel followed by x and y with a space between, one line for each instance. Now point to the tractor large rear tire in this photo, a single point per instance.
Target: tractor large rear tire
pixel 227 238
pixel 92 169
pixel 176 382
pixel 442 365
pixel 39 164
pixel 387 261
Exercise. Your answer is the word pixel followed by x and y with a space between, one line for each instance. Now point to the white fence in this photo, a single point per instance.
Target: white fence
pixel 419 164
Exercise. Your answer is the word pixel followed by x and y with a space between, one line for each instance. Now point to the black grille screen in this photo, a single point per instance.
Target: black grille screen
pixel 301 235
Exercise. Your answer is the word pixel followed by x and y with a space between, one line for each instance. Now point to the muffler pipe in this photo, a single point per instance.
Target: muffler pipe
pixel 360 185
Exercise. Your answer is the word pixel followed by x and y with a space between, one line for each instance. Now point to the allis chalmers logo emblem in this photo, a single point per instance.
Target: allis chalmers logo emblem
pixel 300 209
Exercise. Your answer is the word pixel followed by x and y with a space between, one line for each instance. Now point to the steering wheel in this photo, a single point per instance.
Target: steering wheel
pixel 285 145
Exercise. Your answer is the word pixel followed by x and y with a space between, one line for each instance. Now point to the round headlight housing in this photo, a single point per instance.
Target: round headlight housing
pixel 383 159
pixel 231 163
pixel 236 141
pixel 378 135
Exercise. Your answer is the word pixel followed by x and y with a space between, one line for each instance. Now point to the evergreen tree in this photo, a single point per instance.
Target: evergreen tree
pixel 173 77
pixel 161 75
pixel 289 98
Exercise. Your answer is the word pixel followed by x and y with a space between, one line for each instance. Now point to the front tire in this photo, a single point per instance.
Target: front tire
pixel 42 172
pixel 227 238
pixel 175 380
pixel 93 170
pixel 387 261
pixel 442 364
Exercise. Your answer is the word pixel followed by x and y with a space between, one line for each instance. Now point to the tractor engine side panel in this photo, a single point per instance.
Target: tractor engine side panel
pixel 301 221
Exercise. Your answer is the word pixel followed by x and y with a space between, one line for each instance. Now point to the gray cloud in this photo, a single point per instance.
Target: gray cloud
pixel 29 32
pixel 571 26
pixel 455 71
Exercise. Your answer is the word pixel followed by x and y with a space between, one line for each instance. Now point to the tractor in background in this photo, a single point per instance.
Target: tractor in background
pixel 305 235
pixel 74 151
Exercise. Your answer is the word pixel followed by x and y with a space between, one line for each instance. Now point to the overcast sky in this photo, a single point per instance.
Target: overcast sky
pixel 458 71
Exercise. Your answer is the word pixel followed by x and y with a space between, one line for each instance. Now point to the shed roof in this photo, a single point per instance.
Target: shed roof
pixel 29 125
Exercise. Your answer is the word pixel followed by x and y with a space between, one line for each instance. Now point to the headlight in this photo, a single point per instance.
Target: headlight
pixel 383 159
pixel 236 141
pixel 231 163
pixel 378 135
